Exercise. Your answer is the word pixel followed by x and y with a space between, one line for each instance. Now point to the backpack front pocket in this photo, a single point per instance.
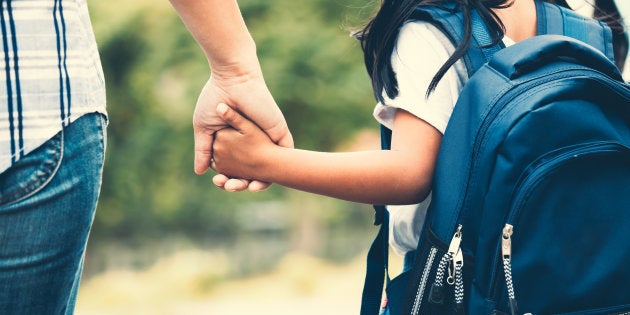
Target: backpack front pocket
pixel 564 248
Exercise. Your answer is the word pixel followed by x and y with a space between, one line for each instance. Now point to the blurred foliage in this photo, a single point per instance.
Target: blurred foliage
pixel 154 71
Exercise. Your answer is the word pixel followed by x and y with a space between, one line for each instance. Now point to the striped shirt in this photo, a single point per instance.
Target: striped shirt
pixel 50 72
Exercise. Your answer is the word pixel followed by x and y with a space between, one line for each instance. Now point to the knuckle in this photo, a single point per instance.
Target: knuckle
pixel 231 115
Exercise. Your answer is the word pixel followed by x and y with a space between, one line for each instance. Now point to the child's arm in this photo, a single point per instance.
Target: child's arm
pixel 401 175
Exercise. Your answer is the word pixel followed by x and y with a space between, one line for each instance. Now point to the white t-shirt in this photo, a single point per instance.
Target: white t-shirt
pixel 421 49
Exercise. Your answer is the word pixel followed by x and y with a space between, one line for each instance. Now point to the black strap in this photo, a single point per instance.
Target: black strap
pixel 377 260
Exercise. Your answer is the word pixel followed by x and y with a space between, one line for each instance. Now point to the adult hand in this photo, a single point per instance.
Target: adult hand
pixel 246 92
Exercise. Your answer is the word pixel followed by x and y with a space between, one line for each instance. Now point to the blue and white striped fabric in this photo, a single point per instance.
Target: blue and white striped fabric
pixel 50 72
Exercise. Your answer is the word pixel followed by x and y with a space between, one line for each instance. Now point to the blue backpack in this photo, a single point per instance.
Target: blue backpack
pixel 531 195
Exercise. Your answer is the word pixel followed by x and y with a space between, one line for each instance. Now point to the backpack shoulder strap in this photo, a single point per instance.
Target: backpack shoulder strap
pixel 376 265
pixel 557 20
pixel 449 20
pixel 551 19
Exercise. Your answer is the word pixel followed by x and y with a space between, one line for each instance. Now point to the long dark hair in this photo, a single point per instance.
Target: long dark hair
pixel 378 36
pixel 607 11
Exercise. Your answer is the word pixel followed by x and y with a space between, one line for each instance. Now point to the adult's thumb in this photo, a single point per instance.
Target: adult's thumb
pixel 203 151
pixel 280 133
pixel 286 140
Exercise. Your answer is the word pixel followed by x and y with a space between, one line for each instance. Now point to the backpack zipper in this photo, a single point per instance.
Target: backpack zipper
pixel 506 253
pixel 458 263
pixel 436 294
pixel 524 187
pixel 423 281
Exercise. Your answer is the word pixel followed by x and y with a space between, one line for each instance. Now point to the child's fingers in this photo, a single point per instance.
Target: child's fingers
pixel 234 119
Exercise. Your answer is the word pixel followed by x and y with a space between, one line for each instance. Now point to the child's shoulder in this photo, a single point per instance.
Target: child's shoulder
pixel 420 29
pixel 421 36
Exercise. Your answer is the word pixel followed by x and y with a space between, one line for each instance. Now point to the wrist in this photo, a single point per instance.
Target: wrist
pixel 235 62
pixel 268 167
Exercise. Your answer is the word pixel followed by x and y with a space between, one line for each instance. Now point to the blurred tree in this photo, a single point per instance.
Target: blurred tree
pixel 314 69
pixel 154 71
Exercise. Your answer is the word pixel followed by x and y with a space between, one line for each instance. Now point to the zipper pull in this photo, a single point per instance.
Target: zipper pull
pixel 436 294
pixel 506 252
pixel 506 241
pixel 453 247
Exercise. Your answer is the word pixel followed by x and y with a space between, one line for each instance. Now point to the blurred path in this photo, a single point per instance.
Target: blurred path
pixel 191 283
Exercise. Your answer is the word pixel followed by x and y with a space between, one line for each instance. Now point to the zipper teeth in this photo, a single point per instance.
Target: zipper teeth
pixel 459 285
pixel 507 268
pixel 423 282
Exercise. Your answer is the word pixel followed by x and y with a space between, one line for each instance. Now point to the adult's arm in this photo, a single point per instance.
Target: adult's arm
pixel 219 28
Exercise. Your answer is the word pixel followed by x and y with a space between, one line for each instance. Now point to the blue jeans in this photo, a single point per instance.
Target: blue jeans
pixel 47 204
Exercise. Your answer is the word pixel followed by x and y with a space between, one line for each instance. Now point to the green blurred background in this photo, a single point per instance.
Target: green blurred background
pixel 166 241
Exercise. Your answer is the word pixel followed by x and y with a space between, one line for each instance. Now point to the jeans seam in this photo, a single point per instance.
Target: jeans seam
pixel 40 182
pixel 103 133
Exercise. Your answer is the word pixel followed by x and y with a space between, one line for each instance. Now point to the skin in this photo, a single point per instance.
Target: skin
pixel 519 19
pixel 401 175
pixel 246 151
pixel 236 79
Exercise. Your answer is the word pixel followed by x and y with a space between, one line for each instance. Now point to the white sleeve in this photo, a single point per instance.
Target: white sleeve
pixel 420 51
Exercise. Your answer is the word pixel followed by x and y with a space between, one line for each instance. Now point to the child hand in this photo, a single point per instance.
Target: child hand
pixel 239 151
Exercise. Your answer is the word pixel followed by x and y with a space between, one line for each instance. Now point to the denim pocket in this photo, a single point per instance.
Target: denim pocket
pixel 32 172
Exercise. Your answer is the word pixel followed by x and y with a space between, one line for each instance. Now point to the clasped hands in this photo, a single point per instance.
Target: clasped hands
pixel 239 151
pixel 233 156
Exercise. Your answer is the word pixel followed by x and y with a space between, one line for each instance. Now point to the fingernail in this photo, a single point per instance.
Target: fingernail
pixel 222 108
